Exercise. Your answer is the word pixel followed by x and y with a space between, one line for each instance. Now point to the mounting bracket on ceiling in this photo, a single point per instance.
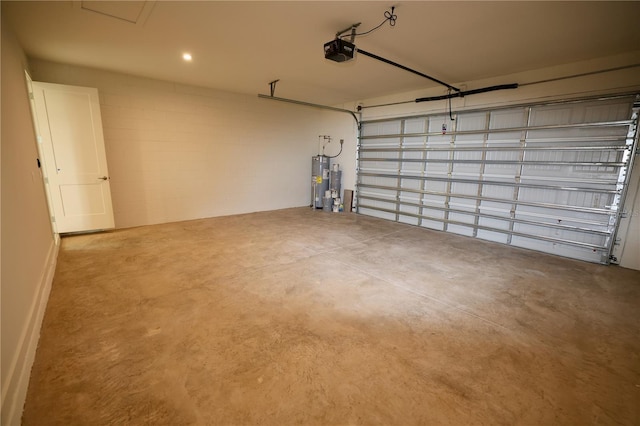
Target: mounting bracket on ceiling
pixel 272 86
pixel 352 28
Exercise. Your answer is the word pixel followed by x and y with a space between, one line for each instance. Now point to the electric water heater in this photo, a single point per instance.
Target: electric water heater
pixel 319 179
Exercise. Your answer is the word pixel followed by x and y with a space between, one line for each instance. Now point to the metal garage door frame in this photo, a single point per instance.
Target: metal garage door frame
pixel 555 183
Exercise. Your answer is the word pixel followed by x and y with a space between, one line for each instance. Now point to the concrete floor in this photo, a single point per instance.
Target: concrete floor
pixel 305 317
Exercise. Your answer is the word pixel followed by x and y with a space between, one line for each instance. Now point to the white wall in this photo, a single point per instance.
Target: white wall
pixel 624 79
pixel 29 250
pixel 180 152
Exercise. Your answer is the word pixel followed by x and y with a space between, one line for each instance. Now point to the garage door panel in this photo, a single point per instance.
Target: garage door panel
pixel 437 168
pixel 383 181
pixel 550 115
pixel 416 125
pixel 493 208
pixel 471 121
pixel 499 175
pixel 376 212
pixel 411 184
pixel 567 236
pixel 409 220
pixel 379 202
pixel 467 170
pixel 412 208
pixel 385 142
pixel 562 215
pixel 412 156
pixel 546 196
pixel 435 186
pixel 507 119
pixel 469 218
pixel 606 112
pixel 434 200
pixel 498 224
pixel 462 156
pixel 375 192
pixel 505 139
pixel 495 237
pixel 558 249
pixel 438 141
pixel 466 231
pixel 436 225
pixel 412 168
pixel 539 137
pixel 384 128
pixel 464 188
pixel 498 191
pixel 409 200
pixel 413 141
pixel 465 204
pixel 506 159
pixel 545 177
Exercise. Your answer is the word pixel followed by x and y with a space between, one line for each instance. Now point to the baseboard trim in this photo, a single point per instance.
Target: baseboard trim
pixel 14 392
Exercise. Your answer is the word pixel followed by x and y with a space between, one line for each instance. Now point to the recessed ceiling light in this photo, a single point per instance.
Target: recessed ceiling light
pixel 186 56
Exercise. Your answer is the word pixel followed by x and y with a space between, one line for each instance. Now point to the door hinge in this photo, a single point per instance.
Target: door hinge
pixel 31 95
pixel 53 219
pixel 46 180
pixel 39 139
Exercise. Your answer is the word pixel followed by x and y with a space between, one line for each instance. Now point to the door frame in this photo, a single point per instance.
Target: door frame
pixel 63 221
pixel 41 158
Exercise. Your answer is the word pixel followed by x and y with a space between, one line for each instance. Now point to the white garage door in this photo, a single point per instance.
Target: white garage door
pixel 547 177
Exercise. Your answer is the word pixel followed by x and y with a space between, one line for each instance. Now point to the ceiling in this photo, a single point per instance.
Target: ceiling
pixel 241 46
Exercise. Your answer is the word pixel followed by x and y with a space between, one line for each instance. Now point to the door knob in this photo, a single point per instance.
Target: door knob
pixel 104 178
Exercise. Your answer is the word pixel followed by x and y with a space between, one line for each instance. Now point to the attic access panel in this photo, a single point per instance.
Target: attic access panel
pixel 547 177
pixel 132 11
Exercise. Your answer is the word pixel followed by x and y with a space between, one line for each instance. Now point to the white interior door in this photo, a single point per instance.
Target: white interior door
pixel 70 131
